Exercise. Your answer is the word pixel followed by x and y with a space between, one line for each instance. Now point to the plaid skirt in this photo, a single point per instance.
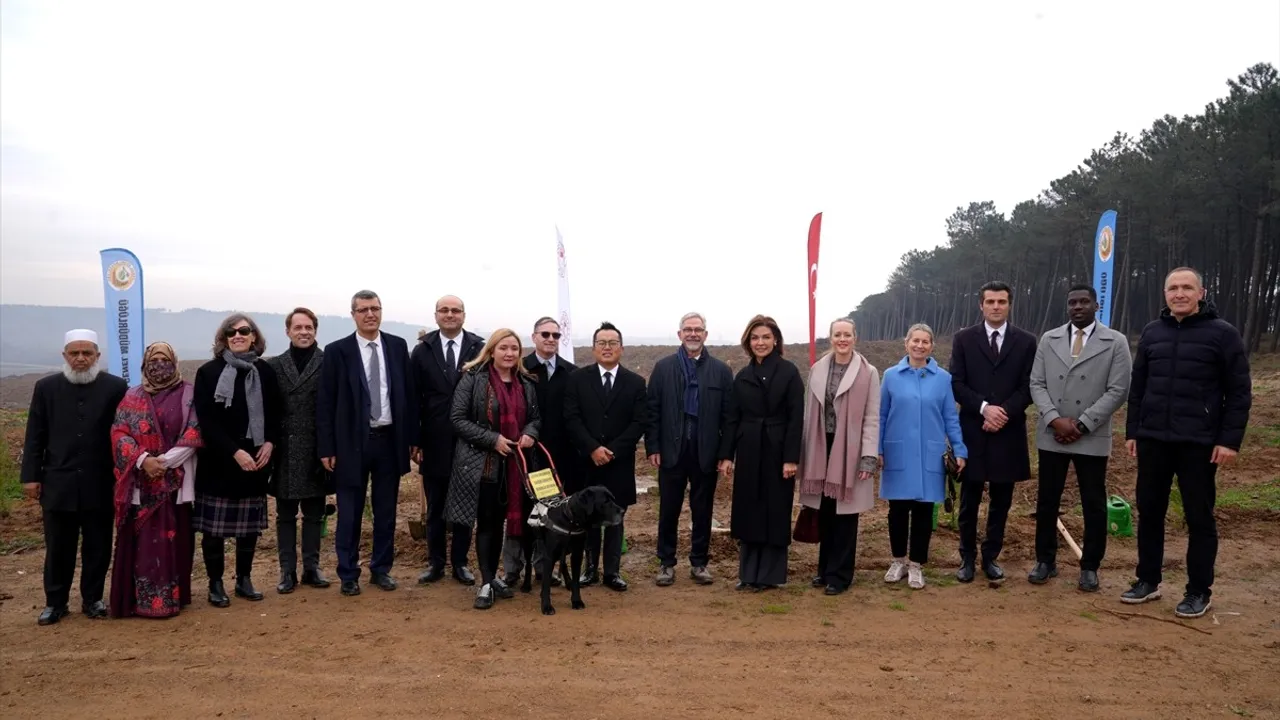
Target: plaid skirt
pixel 229 517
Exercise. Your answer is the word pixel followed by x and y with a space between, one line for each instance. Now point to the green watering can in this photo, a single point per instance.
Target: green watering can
pixel 1119 517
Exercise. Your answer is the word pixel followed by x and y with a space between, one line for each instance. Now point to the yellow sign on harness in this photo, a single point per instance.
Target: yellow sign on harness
pixel 544 484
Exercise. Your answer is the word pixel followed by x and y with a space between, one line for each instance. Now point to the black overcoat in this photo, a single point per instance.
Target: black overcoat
pixel 977 376
pixel 615 421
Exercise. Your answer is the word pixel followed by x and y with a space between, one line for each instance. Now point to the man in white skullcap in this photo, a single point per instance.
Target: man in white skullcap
pixel 68 464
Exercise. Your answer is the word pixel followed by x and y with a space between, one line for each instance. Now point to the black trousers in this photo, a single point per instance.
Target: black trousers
pixel 1091 475
pixel 997 513
pixel 612 548
pixel 910 526
pixel 214 550
pixel 1158 463
pixel 379 469
pixel 287 532
pixel 702 494
pixel 491 514
pixel 63 530
pixel 437 487
pixel 837 544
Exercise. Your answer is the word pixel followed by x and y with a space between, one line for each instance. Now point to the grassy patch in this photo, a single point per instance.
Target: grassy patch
pixel 20 543
pixel 826 622
pixel 1264 496
pixel 1268 435
pixel 796 590
pixel 899 606
pixel 776 609
pixel 718 603
pixel 10 482
pixel 937 578
pixel 1089 616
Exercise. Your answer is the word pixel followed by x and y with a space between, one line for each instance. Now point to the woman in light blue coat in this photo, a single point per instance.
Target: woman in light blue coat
pixel 917 417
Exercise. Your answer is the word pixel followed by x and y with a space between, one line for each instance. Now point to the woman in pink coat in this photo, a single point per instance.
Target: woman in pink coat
pixel 838 459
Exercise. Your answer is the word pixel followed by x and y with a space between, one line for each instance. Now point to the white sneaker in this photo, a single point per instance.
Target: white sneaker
pixel 915 576
pixel 897 571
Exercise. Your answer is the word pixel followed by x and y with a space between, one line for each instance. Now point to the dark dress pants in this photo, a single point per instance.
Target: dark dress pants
pixel 378 466
pixel 1158 463
pixel 287 532
pixel 62 532
pixel 437 488
pixel 910 528
pixel 612 548
pixel 702 493
pixel 1091 475
pixel 997 514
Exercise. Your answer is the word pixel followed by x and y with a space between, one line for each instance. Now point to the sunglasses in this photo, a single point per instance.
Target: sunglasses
pixel 243 331
pixel 545 334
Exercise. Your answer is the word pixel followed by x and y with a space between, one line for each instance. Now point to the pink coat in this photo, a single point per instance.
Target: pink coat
pixel 857 433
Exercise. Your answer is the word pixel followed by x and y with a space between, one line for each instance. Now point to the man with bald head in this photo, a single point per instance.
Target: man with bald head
pixel 68 464
pixel 436 362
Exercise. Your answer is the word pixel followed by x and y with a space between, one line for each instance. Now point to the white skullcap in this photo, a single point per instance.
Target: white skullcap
pixel 81 334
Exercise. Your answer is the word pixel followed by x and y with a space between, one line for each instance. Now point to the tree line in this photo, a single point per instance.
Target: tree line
pixel 1199 190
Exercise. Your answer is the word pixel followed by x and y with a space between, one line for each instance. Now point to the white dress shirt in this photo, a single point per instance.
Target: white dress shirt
pixel 999 346
pixel 613 376
pixel 457 349
pixel 384 398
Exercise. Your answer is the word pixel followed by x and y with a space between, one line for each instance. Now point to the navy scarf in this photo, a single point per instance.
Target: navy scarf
pixel 690 382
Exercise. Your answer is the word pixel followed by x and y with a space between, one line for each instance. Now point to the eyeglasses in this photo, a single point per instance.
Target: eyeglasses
pixel 608 343
pixel 546 335
pixel 366 310
pixel 242 331
pixel 693 330
pixel 449 311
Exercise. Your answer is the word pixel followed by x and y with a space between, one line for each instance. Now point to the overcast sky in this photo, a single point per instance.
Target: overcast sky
pixel 259 155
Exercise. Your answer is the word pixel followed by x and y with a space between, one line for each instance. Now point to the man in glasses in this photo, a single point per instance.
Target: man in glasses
pixel 688 406
pixel 437 362
pixel 605 413
pixel 552 372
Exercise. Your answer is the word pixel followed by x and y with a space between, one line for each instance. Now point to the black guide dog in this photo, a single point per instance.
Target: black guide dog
pixel 562 528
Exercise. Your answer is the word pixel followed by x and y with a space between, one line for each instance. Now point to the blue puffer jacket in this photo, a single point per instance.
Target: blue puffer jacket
pixel 1190 382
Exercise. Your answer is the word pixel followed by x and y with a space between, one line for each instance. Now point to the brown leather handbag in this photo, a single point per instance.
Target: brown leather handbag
pixel 806 530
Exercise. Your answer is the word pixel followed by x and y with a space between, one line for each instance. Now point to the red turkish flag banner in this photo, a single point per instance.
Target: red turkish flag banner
pixel 815 231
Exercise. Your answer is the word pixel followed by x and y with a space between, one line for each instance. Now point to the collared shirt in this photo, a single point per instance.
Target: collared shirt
pixel 457 348
pixel 1088 333
pixel 549 363
pixel 384 398
pixel 613 376
pixel 1000 338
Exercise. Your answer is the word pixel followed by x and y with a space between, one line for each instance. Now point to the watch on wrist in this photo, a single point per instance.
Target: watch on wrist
pixel 1081 427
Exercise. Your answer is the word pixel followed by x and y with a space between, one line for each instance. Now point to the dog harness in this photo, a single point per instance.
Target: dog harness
pixel 549 514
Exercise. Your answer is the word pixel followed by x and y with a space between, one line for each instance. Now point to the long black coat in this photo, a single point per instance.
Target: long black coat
pixel 555 435
pixel 615 421
pixel 298 473
pixel 223 431
pixel 978 376
pixel 764 430
pixel 68 444
pixel 435 398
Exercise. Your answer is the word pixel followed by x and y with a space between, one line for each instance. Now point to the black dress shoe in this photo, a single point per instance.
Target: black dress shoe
pixel 314 578
pixel 464 576
pixel 382 580
pixel 350 587
pixel 1041 573
pixel 819 581
pixel 95 611
pixel 743 587
pixel 288 581
pixel 992 571
pixel 616 583
pixel 589 577
pixel 501 589
pixel 484 598
pixel 218 594
pixel 51 615
pixel 244 589
pixel 965 573
pixel 430 575
pixel 1088 581
pixel 833 590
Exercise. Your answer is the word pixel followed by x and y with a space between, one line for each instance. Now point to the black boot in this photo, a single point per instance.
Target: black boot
pixel 218 594
pixel 288 581
pixel 245 547
pixel 312 577
pixel 311 528
pixel 214 563
pixel 244 588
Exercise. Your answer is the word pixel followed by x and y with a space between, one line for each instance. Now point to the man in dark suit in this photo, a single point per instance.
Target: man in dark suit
pixel 437 360
pixel 552 374
pixel 605 412
pixel 991 377
pixel 366 425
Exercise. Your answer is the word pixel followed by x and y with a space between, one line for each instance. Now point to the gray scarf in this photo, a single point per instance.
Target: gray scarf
pixel 226 389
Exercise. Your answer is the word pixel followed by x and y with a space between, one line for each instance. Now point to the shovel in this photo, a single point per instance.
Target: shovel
pixel 1062 529
pixel 418 526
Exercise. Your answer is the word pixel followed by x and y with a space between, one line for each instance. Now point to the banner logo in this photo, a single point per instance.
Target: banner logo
pixel 1106 245
pixel 122 274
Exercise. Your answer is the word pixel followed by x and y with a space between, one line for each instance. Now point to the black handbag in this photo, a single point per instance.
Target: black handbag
pixel 952 470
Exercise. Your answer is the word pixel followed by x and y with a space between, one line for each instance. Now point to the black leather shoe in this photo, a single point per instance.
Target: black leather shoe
pixel 501 589
pixel 1088 581
pixel 589 577
pixel 993 571
pixel 1041 573
pixel 430 575
pixel 288 581
pixel 484 598
pixel 95 611
pixel 314 578
pixel 244 589
pixel 833 590
pixel 1193 605
pixel 464 576
pixel 350 587
pixel 383 581
pixel 51 615
pixel 819 581
pixel 965 573
pixel 218 594
pixel 616 583
pixel 1141 592
pixel 742 587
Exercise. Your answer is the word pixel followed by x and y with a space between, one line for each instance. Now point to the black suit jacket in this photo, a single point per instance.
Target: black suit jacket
pixel 68 445
pixel 550 392
pixel 435 398
pixel 977 376
pixel 343 403
pixel 615 421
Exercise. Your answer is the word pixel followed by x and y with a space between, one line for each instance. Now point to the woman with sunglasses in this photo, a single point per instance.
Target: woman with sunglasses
pixel 237 401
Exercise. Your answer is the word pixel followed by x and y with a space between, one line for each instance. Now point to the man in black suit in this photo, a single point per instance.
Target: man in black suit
pixel 552 374
pixel 366 425
pixel 437 360
pixel 991 376
pixel 605 412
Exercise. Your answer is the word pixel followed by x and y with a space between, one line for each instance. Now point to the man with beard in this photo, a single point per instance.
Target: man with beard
pixel 68 464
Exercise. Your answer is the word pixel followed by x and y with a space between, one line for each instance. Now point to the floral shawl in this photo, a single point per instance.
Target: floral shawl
pixel 136 431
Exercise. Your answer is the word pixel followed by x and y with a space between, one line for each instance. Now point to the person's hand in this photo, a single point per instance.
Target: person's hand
pixel 726 468
pixel 789 470
pixel 264 455
pixel 1222 455
pixel 1065 430
pixel 504 446
pixel 880 462
pixel 960 463
pixel 601 456
pixel 526 441
pixel 1132 447
pixel 656 460
pixel 415 454
pixel 31 490
pixel 864 475
pixel 330 462
pixel 152 467
pixel 245 461
pixel 995 415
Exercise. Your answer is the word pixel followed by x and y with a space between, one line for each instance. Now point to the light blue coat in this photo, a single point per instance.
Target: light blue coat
pixel 917 416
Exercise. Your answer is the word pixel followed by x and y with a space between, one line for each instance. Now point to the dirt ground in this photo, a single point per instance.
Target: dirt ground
pixel 960 651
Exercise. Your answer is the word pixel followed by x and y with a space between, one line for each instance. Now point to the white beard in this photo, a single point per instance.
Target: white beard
pixel 79 377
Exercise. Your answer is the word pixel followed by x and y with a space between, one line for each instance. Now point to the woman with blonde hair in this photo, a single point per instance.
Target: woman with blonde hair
pixel 841 440
pixel 495 416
